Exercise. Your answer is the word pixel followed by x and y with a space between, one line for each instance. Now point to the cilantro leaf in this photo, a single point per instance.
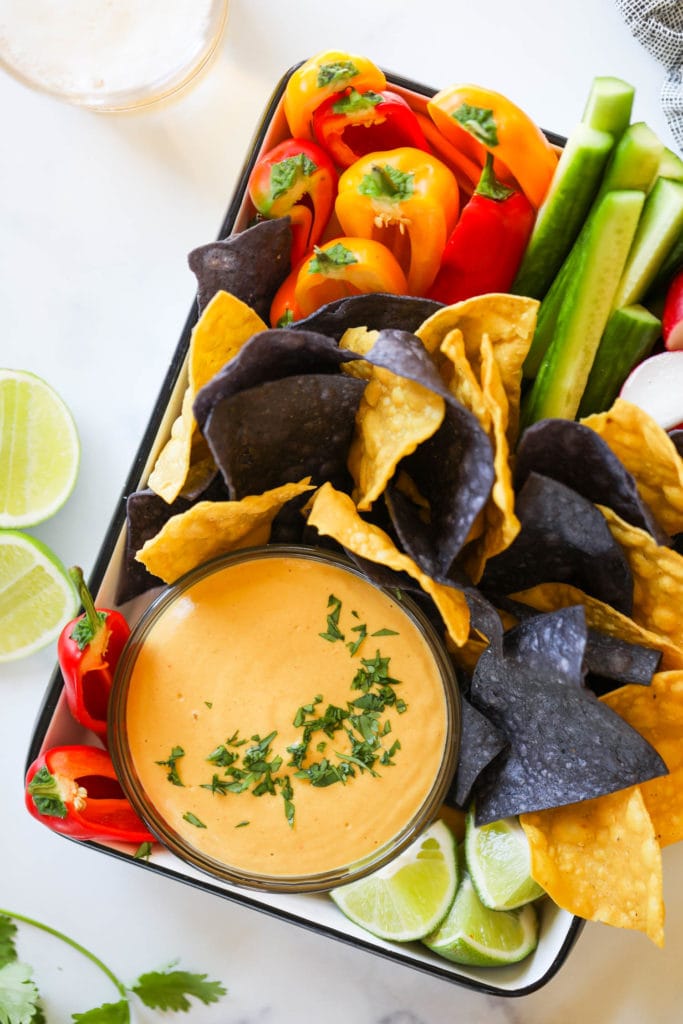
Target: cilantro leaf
pixel 8 930
pixel 108 1013
pixel 18 994
pixel 168 990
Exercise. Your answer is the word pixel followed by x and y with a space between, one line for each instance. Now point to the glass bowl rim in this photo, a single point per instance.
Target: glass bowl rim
pixel 309 883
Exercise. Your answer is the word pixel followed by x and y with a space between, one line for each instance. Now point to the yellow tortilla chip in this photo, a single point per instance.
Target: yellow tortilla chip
pixel 223 328
pixel 212 528
pixel 394 416
pixel 649 454
pixel 334 514
pixel 656 712
pixel 600 860
pixel 657 578
pixel 548 597
pixel 501 525
pixel 461 379
pixel 509 320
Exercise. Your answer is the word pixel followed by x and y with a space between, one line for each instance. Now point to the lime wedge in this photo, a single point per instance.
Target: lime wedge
pixel 499 863
pixel 476 935
pixel 37 597
pixel 408 897
pixel 39 450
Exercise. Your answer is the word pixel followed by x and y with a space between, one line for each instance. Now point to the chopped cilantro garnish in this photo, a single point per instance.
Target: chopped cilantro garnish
pixel 170 763
pixel 192 819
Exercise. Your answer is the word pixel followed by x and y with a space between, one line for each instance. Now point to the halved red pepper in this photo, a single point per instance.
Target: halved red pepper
pixel 88 650
pixel 74 791
pixel 297 179
pixel 486 246
pixel 352 124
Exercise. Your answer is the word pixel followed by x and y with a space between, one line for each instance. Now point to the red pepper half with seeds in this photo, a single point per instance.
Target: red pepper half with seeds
pixel 486 246
pixel 297 179
pixel 352 124
pixel 74 791
pixel 88 650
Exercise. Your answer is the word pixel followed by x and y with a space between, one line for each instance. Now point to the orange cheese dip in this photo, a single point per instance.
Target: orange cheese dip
pixel 239 654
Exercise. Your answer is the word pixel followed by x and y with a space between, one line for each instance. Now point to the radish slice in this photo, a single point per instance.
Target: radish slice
pixel 656 386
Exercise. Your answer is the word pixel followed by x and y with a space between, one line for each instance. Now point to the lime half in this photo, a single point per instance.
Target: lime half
pixel 407 898
pixel 39 450
pixel 476 935
pixel 499 863
pixel 37 598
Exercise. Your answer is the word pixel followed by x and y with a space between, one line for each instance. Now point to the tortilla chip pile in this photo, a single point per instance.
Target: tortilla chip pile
pixel 389 427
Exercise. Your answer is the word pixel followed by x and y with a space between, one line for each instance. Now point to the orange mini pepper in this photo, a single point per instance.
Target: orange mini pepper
pixel 478 120
pixel 321 76
pixel 284 309
pixel 347 266
pixel 408 200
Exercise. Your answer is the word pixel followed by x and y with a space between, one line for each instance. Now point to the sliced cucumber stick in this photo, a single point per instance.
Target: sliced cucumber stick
pixel 609 105
pixel 572 190
pixel 600 258
pixel 635 160
pixel 660 227
pixel 633 164
pixel 628 338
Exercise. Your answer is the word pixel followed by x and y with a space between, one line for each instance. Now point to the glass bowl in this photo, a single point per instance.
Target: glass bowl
pixel 281 722
pixel 109 55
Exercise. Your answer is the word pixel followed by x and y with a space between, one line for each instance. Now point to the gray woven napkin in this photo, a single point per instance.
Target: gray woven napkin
pixel 658 26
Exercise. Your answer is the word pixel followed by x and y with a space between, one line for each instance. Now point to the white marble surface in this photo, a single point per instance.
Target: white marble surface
pixel 97 215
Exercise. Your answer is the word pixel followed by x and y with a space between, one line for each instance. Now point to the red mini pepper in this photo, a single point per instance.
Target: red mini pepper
pixel 352 124
pixel 297 179
pixel 486 246
pixel 74 791
pixel 672 316
pixel 88 649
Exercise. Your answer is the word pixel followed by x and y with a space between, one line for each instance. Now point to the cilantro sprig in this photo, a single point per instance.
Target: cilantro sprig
pixel 20 1002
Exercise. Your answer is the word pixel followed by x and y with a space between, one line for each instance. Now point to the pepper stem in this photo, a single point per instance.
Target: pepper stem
pixel 120 987
pixel 94 621
pixel 488 184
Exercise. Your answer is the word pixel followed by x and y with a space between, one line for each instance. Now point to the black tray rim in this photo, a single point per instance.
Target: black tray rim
pixel 56 683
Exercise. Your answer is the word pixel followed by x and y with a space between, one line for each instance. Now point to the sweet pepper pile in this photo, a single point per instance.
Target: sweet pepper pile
pixel 385 198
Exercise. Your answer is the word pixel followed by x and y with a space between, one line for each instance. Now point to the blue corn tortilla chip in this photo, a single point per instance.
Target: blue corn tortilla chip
pixel 564 745
pixel 284 430
pixel 270 355
pixel 579 458
pixel 609 661
pixel 563 539
pixel 453 469
pixel 376 310
pixel 250 265
pixel 480 743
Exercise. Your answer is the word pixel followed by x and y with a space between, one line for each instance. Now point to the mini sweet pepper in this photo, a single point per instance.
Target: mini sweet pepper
pixel 319 77
pixel 351 124
pixel 486 246
pixel 479 120
pixel 406 199
pixel 296 178
pixel 88 650
pixel 347 266
pixel 74 791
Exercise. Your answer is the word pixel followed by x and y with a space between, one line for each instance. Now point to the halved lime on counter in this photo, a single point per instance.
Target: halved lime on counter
pixel 478 936
pixel 39 449
pixel 499 863
pixel 37 597
pixel 407 898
